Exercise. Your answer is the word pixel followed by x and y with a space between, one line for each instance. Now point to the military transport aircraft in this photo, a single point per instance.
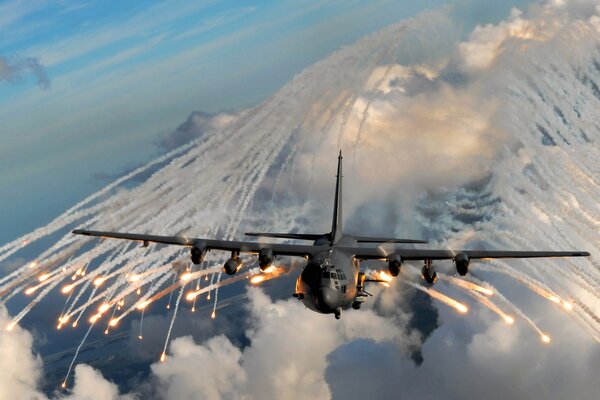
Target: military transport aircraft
pixel 332 281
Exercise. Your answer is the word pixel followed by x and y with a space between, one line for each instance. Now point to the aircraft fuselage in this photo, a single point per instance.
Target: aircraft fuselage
pixel 328 283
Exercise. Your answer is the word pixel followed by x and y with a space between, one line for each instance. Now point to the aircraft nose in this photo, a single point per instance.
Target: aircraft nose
pixel 327 299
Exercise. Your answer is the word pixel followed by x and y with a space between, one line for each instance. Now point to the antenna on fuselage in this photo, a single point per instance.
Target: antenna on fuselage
pixel 336 225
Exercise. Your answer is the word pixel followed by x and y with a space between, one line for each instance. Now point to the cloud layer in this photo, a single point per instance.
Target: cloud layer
pixel 15 68
pixel 492 141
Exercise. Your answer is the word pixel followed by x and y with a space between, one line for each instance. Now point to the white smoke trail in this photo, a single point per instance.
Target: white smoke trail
pixel 172 321
pixel 64 384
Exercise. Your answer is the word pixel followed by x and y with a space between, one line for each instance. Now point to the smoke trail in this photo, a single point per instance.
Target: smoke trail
pixel 439 296
pixel 172 322
pixel 64 384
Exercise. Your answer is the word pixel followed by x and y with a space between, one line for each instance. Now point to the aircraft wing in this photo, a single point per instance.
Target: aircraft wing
pixel 210 244
pixel 372 253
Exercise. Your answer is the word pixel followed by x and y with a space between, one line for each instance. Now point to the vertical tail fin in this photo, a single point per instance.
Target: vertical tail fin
pixel 336 225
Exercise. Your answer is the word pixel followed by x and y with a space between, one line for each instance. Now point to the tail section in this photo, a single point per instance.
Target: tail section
pixel 336 225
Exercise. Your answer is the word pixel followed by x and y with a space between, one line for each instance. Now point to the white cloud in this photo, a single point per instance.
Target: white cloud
pixel 20 368
pixel 91 385
pixel 287 355
pixel 211 371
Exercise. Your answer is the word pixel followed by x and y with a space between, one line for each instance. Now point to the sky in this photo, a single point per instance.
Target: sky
pixel 86 88
pixel 450 131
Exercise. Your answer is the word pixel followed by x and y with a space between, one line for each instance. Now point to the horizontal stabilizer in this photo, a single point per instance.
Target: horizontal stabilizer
pixel 368 239
pixel 301 236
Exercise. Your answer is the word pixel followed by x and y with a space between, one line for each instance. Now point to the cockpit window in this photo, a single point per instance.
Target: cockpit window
pixel 333 275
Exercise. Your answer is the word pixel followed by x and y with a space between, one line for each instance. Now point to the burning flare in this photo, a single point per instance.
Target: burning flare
pixel 545 338
pixel 256 279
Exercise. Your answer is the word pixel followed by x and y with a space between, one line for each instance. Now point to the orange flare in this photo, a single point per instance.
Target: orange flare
pixel 94 318
pixel 213 315
pixel 43 277
pixel 143 305
pixel 384 276
pixel 190 296
pixel 447 300
pixel 470 285
pixel 545 338
pixel 162 357
pixel 186 277
pixel 67 289
pixel 256 279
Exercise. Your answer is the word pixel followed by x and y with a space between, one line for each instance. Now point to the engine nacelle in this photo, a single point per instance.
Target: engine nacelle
pixel 429 274
pixel 198 252
pixel 234 263
pixel 394 264
pixel 265 258
pixel 462 263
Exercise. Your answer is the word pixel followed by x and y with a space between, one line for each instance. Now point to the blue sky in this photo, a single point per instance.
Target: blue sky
pixel 122 72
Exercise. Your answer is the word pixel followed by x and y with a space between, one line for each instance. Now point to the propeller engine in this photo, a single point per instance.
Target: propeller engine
pixel 394 264
pixel 429 273
pixel 462 263
pixel 234 263
pixel 198 252
pixel 265 258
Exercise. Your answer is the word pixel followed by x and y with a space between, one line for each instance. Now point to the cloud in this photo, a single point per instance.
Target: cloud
pixel 199 124
pixel 489 360
pixel 211 371
pixel 14 69
pixel 91 385
pixel 285 356
pixel 21 369
pixel 454 125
